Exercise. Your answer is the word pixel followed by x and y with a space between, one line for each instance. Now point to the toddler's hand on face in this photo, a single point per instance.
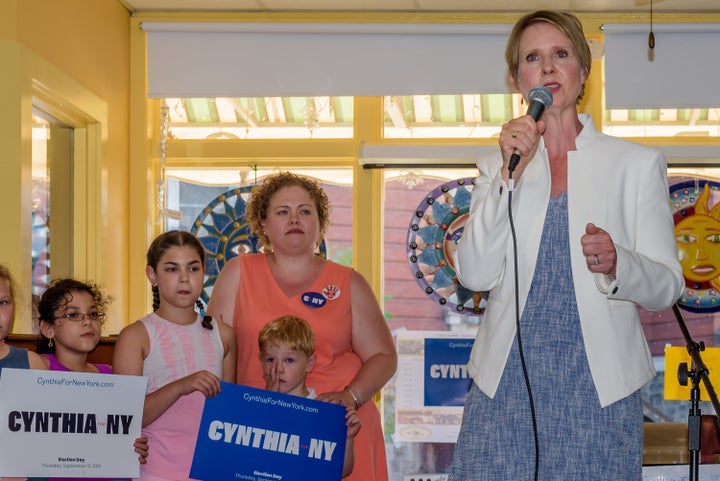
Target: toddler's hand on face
pixel 272 378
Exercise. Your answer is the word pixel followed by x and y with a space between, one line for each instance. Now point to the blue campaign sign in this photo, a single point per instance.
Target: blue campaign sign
pixel 257 435
pixel 446 378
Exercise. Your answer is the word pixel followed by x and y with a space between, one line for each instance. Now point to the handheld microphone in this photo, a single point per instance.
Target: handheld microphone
pixel 540 98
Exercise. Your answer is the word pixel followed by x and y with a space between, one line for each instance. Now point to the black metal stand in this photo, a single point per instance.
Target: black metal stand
pixel 697 373
pixel 694 416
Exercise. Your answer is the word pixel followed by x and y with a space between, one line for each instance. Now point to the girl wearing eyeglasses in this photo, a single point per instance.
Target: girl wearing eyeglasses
pixel 71 318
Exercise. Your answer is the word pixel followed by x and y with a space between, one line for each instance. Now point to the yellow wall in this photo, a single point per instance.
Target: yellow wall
pixel 79 50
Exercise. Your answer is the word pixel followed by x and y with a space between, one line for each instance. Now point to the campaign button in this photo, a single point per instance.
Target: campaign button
pixel 313 299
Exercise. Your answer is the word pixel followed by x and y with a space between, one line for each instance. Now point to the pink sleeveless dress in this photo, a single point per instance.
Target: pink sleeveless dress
pixel 326 307
pixel 175 352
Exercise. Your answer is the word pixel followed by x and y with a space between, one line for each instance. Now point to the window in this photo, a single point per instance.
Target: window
pixel 420 295
pixel 261 118
pixel 662 122
pixel 40 205
pixel 412 292
pixel 52 174
pixel 449 116
pixel 697 306
pixel 208 205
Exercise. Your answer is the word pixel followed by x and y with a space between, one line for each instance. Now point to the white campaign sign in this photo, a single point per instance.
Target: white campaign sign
pixel 69 424
pixel 414 420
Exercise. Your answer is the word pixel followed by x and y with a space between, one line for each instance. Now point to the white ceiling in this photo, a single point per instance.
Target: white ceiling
pixel 416 6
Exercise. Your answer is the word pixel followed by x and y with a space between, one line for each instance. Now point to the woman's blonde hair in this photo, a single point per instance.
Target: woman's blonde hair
pixel 567 23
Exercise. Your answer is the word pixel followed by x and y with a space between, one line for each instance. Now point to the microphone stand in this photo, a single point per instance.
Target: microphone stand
pixel 698 372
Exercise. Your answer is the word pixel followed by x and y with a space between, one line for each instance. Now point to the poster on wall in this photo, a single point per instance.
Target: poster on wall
pixel 431 385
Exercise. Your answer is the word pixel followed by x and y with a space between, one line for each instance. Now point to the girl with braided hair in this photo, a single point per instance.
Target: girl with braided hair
pixel 184 354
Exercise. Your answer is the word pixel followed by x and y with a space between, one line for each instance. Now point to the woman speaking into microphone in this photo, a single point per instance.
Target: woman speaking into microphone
pixel 567 244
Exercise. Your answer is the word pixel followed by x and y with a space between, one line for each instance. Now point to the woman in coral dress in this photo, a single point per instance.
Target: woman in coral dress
pixel 355 352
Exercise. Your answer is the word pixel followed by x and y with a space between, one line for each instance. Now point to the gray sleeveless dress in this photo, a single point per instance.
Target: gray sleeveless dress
pixel 578 439
pixel 17 358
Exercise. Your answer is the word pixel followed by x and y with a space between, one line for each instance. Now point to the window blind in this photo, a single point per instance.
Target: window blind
pixel 189 59
pixel 680 72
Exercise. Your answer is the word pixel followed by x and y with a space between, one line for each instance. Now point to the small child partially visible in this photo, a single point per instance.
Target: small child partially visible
pixel 287 354
pixel 11 356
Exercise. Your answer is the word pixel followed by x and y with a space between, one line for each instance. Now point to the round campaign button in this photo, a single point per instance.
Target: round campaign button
pixel 313 299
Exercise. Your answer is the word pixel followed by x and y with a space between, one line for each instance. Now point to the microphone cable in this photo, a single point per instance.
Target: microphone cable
pixel 511 185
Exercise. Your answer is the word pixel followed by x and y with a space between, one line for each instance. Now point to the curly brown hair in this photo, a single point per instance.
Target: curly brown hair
pixel 260 196
pixel 59 294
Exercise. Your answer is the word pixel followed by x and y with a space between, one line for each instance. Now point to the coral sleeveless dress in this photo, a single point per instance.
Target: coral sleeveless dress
pixel 326 307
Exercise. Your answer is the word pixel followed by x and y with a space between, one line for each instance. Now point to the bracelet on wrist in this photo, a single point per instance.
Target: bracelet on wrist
pixel 355 396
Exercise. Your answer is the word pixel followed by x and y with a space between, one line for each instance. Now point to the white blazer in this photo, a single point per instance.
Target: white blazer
pixel 622 188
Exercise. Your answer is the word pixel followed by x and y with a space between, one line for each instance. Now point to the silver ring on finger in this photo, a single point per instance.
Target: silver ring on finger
pixel 596 260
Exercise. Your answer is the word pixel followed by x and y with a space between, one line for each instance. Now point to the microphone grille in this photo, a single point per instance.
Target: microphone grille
pixel 542 95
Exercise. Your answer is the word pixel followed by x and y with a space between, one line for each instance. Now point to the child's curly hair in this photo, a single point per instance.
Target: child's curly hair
pixel 260 196
pixel 59 294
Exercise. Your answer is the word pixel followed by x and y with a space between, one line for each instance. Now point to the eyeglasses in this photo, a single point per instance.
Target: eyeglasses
pixel 81 316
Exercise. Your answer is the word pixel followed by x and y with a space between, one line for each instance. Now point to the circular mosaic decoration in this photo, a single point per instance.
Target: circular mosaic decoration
pixel 696 212
pixel 225 233
pixel 435 229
